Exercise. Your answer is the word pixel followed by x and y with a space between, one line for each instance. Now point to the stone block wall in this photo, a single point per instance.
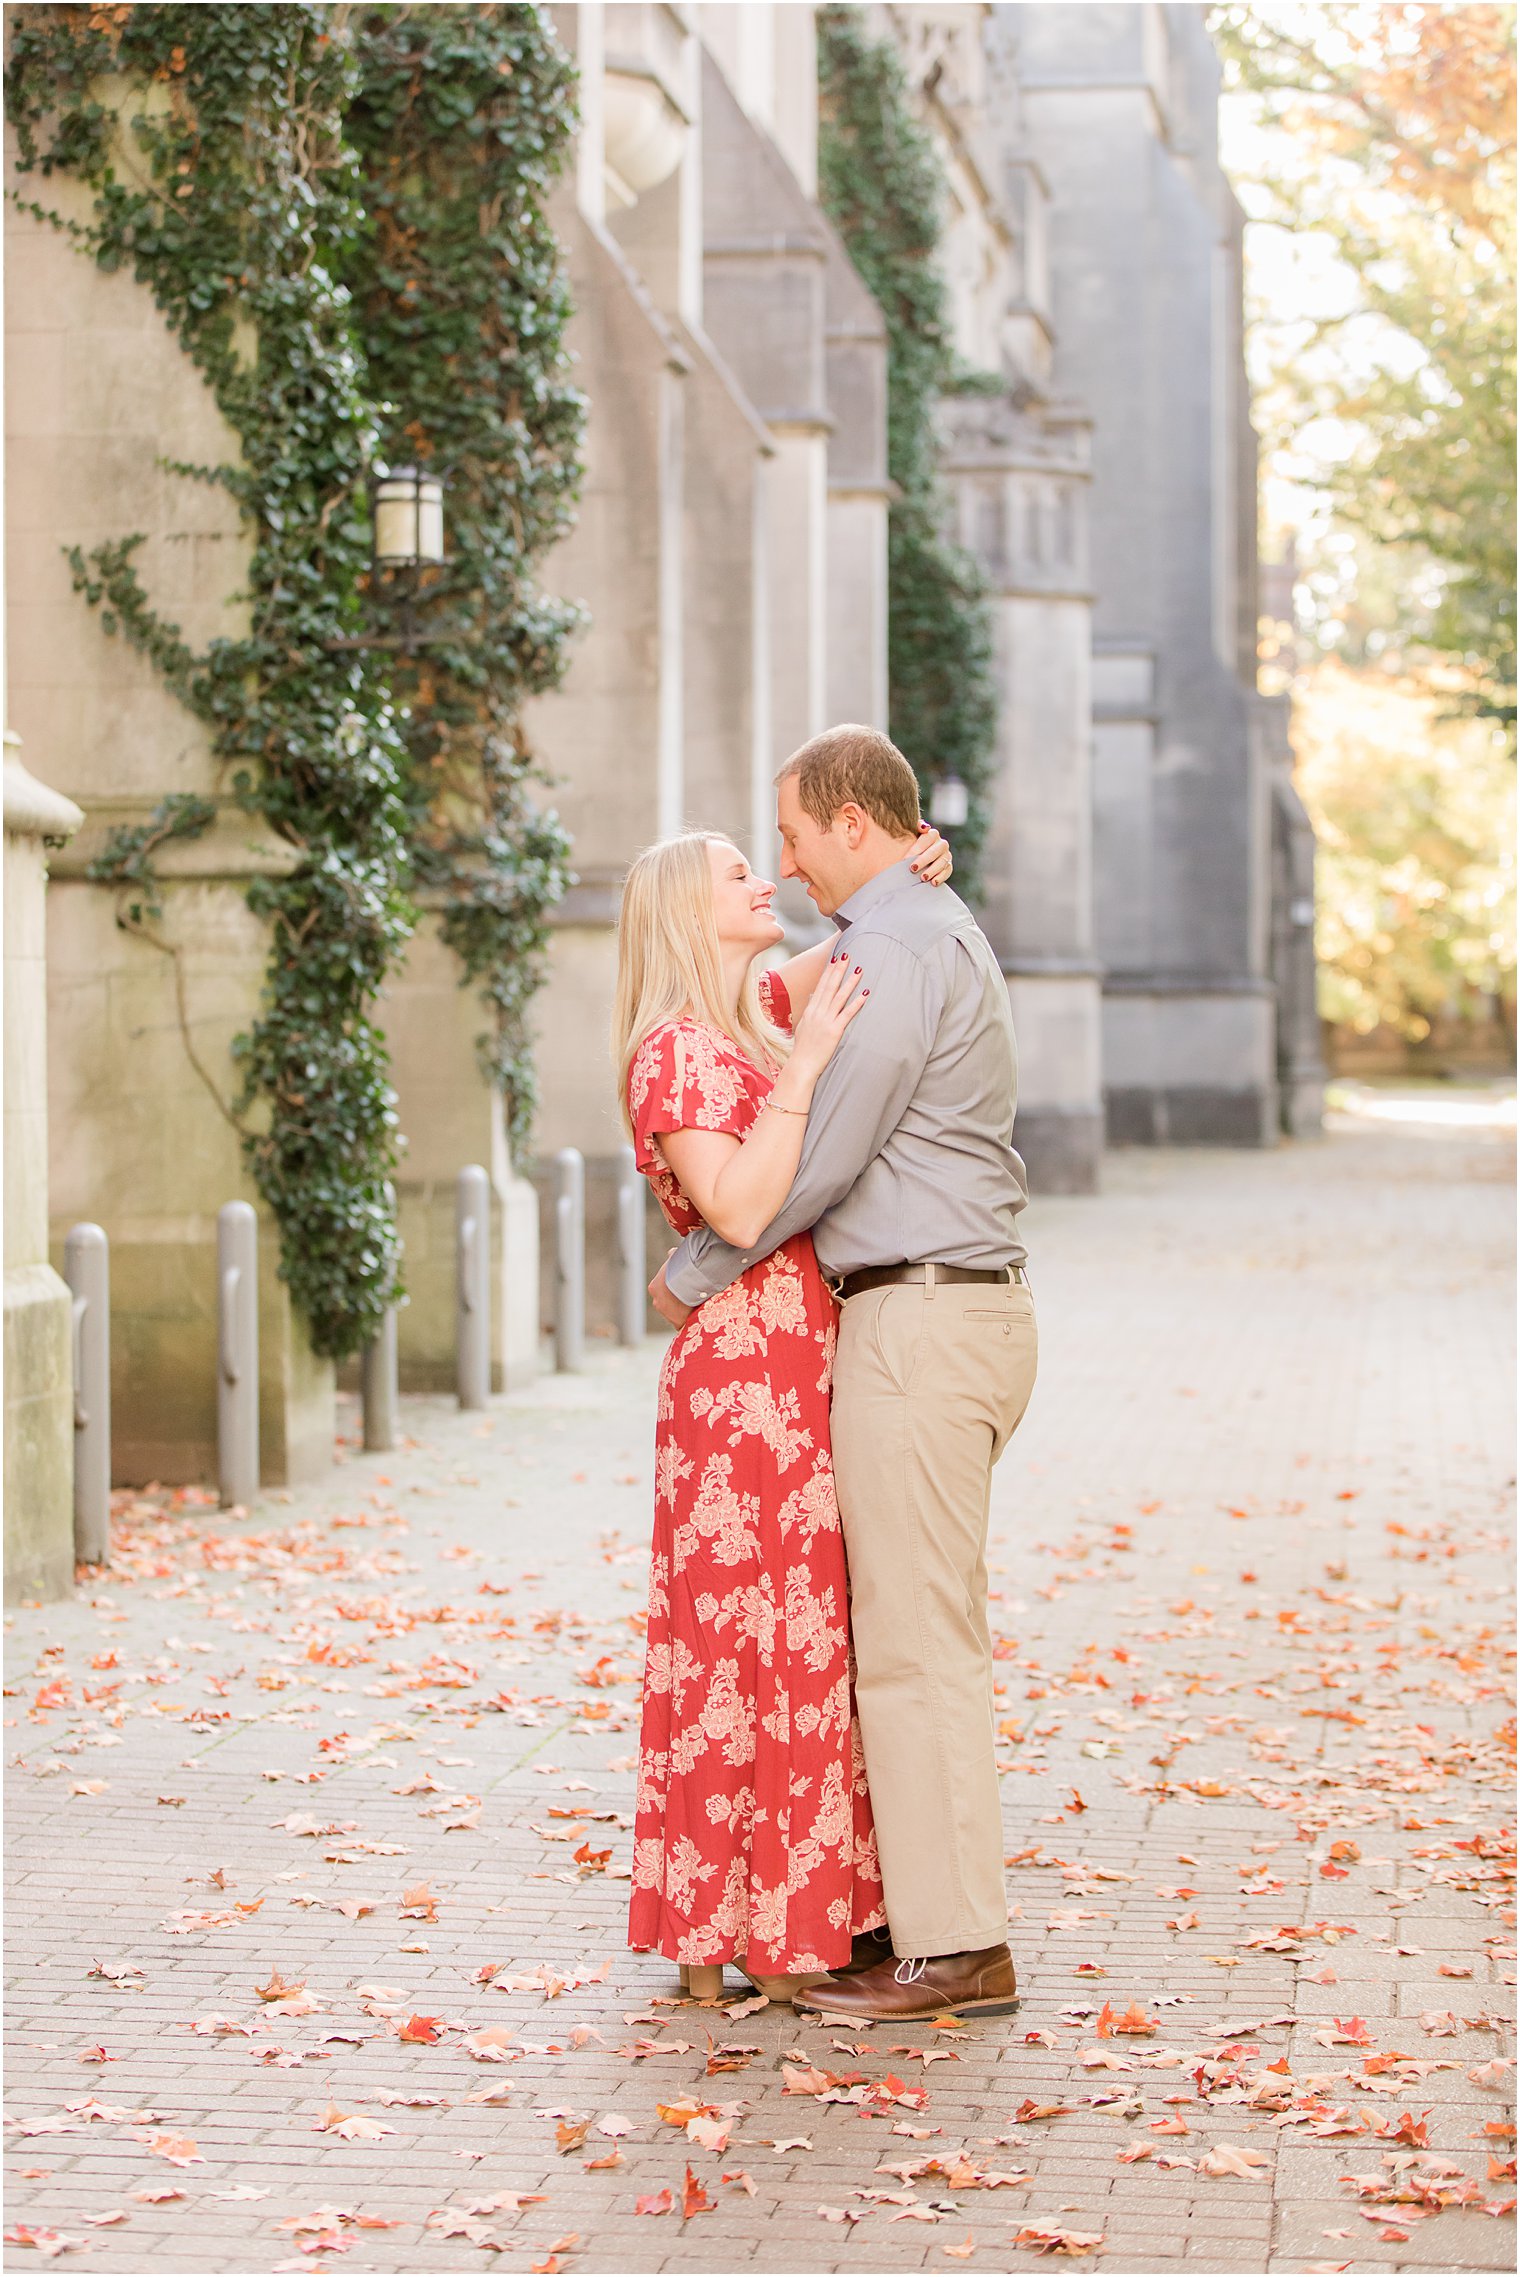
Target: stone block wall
pixel 98 394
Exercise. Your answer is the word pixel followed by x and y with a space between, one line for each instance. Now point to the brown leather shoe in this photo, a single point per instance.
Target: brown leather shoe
pixel 901 1992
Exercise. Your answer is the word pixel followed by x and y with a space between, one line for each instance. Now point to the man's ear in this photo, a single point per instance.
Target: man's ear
pixel 855 821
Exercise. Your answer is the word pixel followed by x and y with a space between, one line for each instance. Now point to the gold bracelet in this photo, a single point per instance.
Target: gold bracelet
pixel 780 1110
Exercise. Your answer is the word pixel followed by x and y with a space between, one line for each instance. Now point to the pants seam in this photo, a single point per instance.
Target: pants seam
pixel 925 1657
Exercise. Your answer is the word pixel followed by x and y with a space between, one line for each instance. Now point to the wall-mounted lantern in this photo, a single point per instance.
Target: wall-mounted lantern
pixel 949 803
pixel 406 542
pixel 408 518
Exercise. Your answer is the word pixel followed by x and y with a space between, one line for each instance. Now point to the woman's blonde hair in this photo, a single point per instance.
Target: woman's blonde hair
pixel 669 963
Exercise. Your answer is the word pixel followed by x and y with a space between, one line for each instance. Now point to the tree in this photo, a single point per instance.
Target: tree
pixel 1414 814
pixel 1398 134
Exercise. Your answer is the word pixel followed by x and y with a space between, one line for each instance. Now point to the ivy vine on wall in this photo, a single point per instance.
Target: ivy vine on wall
pixel 460 124
pixel 880 183
pixel 340 213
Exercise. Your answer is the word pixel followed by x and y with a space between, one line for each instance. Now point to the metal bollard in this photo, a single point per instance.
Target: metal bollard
pixel 569 1258
pixel 473 1220
pixel 87 1269
pixel 633 1271
pixel 237 1357
pixel 379 1388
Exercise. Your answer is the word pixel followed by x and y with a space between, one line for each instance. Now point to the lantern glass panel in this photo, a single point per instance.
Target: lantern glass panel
pixel 396 516
pixel 949 803
pixel 429 519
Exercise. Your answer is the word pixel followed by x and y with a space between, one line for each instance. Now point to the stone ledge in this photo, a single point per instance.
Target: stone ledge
pixel 32 810
pixel 225 850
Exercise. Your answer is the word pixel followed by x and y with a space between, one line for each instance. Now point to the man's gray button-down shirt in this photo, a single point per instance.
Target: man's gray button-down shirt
pixel 909 1148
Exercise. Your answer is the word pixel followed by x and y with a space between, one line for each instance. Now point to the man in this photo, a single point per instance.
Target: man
pixel 910 1183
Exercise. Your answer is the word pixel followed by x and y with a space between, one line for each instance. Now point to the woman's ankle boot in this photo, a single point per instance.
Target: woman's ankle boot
pixel 700 1982
pixel 779 1989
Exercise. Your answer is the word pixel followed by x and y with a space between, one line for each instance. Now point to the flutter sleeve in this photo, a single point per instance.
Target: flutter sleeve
pixel 775 1002
pixel 683 1078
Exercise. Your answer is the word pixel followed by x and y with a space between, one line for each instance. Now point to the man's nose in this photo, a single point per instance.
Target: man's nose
pixel 789 868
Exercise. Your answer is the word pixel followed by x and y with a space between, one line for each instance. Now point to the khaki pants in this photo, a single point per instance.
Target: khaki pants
pixel 929 1385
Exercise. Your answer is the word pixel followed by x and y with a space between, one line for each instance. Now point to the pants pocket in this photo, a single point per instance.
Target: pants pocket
pixel 896 1333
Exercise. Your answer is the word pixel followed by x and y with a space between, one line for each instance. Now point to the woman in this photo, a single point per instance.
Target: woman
pixel 753 1840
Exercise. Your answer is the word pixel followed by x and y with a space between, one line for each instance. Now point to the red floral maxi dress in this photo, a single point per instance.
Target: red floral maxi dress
pixel 754 1832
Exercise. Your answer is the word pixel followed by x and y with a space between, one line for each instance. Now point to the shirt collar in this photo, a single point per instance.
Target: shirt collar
pixel 874 892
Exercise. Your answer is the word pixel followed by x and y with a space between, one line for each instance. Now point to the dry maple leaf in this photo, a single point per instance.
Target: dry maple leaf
pixel 1406 2129
pixel 179 2150
pixel 350 2126
pixel 1039 2239
pixel 490 2045
pixel 278 1987
pixel 660 2202
pixel 452 2221
pixel 742 2008
pixel 571 2137
pixel 48 2242
pixel 1345 2032
pixel 964 2250
pixel 1134 2021
pixel 422 2030
pixel 680 2114
pixel 694 2198
pixel 1229 2158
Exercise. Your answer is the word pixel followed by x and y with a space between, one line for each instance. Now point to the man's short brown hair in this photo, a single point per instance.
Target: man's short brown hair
pixel 855 766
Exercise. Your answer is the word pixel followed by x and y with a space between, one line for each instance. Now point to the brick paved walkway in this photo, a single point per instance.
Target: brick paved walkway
pixel 375 1743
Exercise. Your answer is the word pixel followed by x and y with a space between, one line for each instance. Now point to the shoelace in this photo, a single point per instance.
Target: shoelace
pixel 914 1969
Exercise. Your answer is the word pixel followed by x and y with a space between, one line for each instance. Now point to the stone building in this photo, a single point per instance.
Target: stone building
pixel 1147 854
pixel 1207 1034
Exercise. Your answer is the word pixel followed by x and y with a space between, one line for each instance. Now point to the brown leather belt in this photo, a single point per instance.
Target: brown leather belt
pixel 887 1276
